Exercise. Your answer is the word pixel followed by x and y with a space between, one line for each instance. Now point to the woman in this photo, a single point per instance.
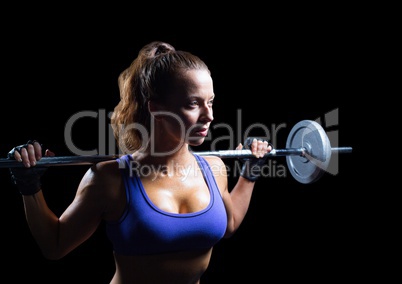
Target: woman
pixel 164 206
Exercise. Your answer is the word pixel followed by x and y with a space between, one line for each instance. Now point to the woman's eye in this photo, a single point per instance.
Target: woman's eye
pixel 196 103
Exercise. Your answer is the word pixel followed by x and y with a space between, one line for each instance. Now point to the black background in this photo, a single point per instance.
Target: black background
pixel 274 71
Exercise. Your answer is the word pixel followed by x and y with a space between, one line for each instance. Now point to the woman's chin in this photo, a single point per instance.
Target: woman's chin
pixel 196 141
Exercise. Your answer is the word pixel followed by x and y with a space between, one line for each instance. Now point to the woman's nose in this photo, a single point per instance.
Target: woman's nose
pixel 207 114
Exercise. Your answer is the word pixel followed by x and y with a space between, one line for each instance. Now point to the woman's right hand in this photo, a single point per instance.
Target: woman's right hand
pixel 27 178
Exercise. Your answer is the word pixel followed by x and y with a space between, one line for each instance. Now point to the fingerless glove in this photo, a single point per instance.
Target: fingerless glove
pixel 252 167
pixel 27 180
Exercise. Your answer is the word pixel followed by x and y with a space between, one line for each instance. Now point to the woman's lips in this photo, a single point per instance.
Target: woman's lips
pixel 202 132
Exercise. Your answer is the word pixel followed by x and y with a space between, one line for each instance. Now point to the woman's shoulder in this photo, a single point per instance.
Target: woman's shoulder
pixel 109 169
pixel 102 182
pixel 102 173
pixel 213 160
pixel 217 166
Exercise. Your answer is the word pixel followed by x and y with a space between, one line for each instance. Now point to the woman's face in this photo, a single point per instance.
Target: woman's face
pixel 189 107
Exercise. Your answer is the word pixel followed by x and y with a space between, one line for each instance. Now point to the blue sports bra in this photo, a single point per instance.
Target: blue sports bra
pixel 145 229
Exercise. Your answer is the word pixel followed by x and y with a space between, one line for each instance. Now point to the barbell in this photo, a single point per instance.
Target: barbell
pixel 308 153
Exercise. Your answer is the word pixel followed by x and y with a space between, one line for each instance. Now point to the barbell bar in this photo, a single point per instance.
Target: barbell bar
pixel 93 159
pixel 274 152
pixel 308 153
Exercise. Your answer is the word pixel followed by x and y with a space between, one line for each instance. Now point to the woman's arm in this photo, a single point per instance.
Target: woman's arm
pixel 238 199
pixel 57 236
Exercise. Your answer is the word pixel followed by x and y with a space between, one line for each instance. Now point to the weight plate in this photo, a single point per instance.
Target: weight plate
pixel 310 135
